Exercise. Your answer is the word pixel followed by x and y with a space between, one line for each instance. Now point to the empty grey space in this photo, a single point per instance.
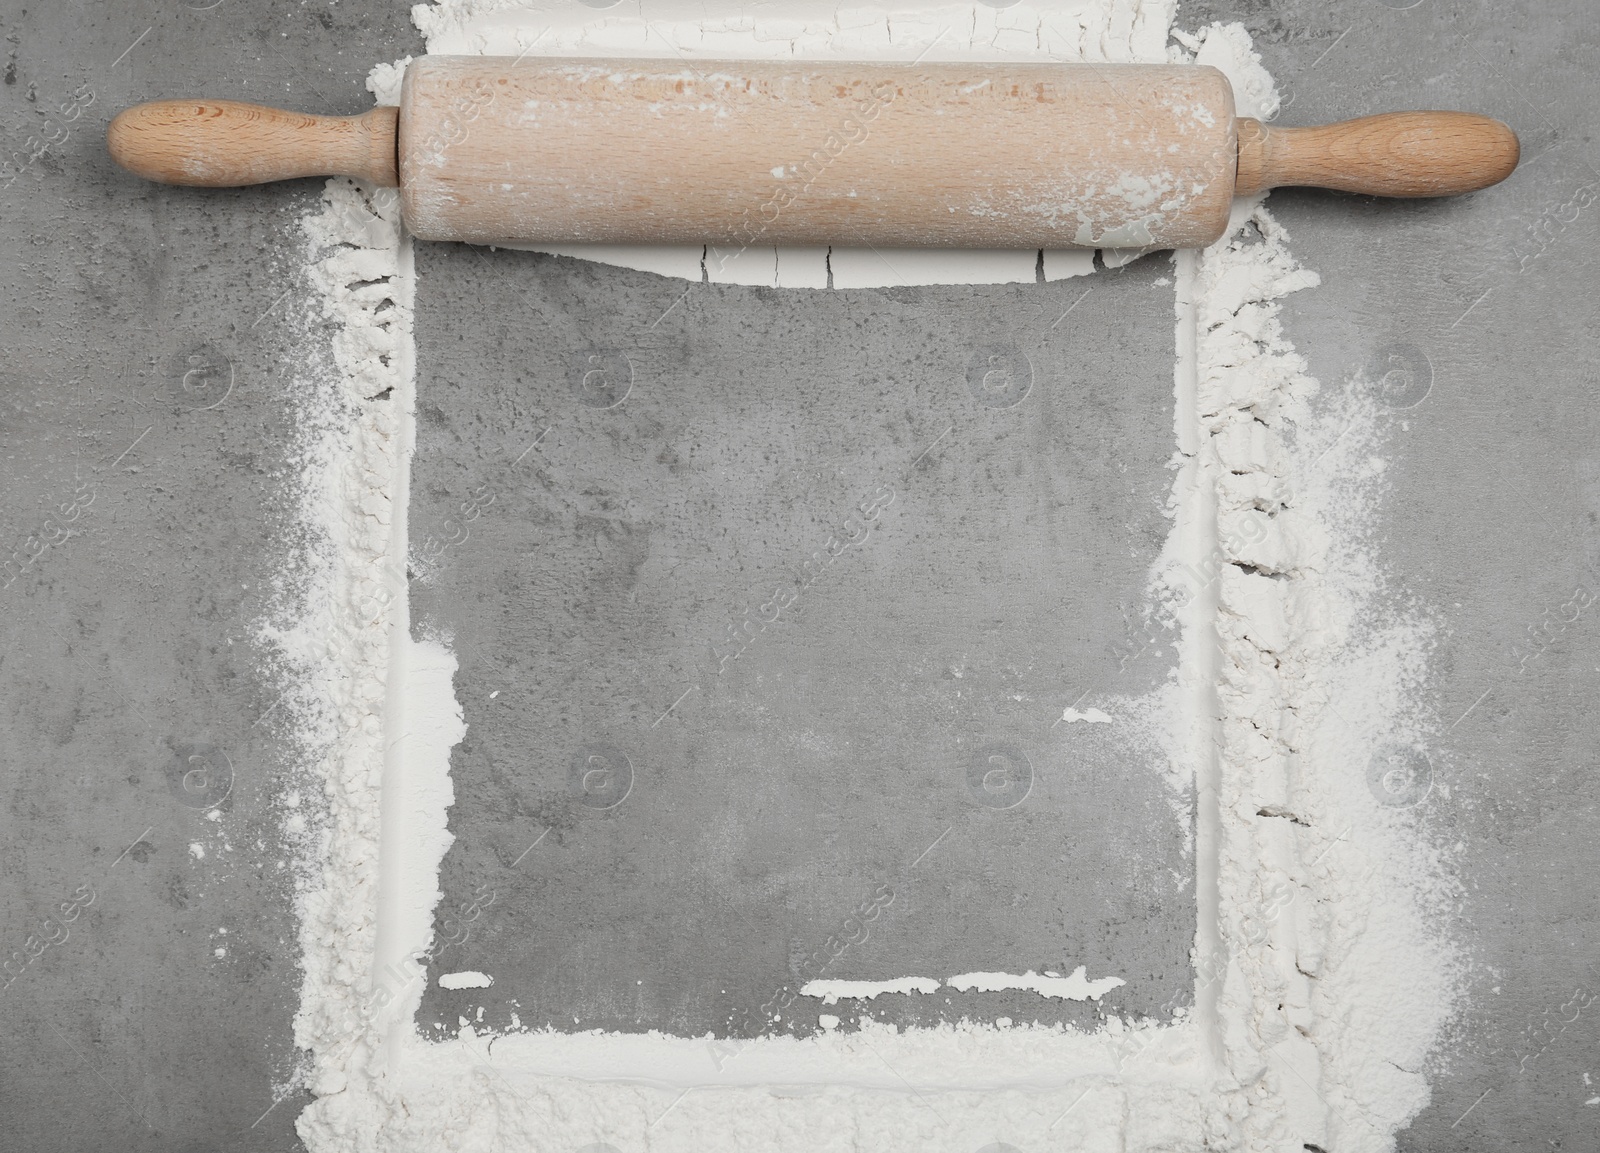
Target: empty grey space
pixel 116 667
pixel 767 605
pixel 146 415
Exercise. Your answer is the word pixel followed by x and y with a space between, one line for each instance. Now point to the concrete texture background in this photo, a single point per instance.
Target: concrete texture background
pixel 636 473
pixel 145 416
pixel 117 667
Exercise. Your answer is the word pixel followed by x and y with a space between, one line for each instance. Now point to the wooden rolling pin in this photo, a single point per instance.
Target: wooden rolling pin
pixel 973 155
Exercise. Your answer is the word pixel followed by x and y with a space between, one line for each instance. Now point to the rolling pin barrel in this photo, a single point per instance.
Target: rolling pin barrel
pixel 980 155
pixel 969 155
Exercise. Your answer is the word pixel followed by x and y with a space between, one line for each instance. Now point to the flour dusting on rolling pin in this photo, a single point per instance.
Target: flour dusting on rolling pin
pixel 948 155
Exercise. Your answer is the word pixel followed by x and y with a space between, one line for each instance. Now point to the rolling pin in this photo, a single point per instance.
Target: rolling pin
pixel 970 155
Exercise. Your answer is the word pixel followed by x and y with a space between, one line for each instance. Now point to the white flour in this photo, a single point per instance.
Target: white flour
pixel 469 979
pixel 832 991
pixel 1076 987
pixel 1323 976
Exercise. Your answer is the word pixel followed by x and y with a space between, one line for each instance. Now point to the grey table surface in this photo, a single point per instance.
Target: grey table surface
pixel 128 649
pixel 800 583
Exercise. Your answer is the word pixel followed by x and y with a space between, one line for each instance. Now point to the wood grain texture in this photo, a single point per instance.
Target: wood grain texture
pixel 1393 154
pixel 986 155
pixel 969 155
pixel 226 143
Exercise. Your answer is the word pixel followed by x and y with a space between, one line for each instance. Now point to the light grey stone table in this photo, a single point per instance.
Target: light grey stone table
pixel 753 425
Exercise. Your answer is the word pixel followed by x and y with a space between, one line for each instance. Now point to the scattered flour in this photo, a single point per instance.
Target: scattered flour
pixel 1077 987
pixel 1090 716
pixel 1322 975
pixel 470 979
pixel 832 991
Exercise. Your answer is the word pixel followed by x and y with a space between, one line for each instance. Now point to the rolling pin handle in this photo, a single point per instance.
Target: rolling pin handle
pixel 1394 154
pixel 227 143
